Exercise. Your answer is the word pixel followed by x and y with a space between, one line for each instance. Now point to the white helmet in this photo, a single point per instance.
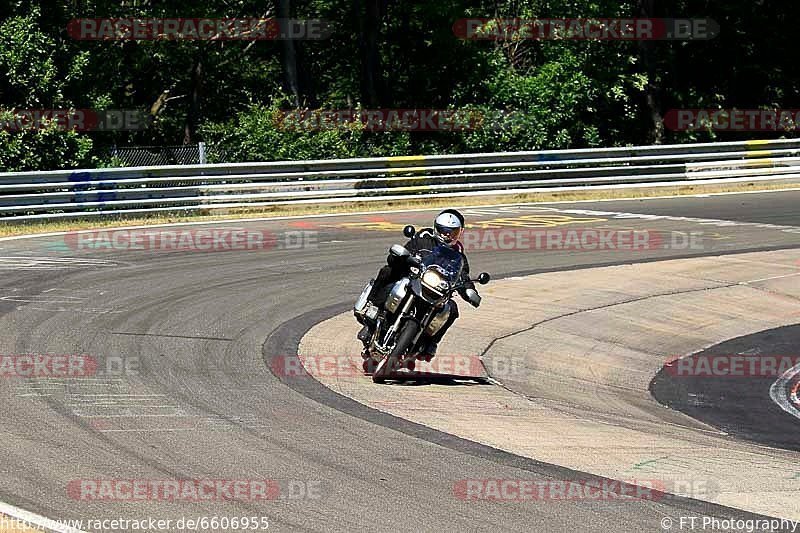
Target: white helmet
pixel 448 225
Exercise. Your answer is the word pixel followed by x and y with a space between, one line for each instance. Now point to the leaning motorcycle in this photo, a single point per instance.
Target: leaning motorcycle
pixel 416 308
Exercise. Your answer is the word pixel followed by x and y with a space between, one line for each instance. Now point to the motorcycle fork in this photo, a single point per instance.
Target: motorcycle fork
pixel 373 341
pixel 393 328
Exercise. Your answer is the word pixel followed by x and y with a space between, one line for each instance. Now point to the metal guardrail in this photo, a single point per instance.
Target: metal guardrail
pixel 140 190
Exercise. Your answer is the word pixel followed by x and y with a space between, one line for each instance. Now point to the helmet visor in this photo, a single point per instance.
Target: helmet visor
pixel 448 235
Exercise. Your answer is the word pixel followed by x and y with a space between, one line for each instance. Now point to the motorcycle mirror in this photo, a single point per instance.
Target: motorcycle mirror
pixel 409 231
pixel 483 278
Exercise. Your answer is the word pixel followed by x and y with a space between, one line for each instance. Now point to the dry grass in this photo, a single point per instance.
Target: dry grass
pixel 23 228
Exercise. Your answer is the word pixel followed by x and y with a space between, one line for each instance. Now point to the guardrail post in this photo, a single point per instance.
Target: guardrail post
pixel 202 148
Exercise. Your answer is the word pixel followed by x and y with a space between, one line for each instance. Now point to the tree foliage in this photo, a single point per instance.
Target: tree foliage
pixel 383 54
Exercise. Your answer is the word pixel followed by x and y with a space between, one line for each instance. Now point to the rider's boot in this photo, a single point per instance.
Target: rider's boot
pixel 365 334
pixel 429 352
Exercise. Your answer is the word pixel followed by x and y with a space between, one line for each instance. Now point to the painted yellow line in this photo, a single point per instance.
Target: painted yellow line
pixel 757 142
pixel 408 169
pixel 399 178
pixel 380 225
pixel 524 221
pixel 416 188
pixel 759 153
pixel 404 159
pixel 755 163
pixel 398 169
pixel 533 221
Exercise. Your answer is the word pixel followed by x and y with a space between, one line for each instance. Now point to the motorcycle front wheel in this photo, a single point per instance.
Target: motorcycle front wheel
pixel 390 363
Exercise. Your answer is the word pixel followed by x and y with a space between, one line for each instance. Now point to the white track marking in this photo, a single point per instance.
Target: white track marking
pixel 779 391
pixel 769 278
pixel 618 215
pixel 88 310
pixel 15 262
pixel 35 519
pixel 54 300
pixel 39 299
pixel 159 430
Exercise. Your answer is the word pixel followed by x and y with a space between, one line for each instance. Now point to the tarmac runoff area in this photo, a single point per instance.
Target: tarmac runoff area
pixel 570 358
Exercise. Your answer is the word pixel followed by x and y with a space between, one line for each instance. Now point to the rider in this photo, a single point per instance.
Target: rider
pixel 447 229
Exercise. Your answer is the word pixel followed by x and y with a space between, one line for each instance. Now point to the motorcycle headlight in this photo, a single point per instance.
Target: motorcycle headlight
pixel 433 280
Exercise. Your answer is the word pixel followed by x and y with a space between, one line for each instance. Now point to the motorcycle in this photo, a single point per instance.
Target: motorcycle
pixel 416 308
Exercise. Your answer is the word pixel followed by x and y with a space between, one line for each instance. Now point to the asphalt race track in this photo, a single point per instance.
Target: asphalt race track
pixel 740 405
pixel 182 388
